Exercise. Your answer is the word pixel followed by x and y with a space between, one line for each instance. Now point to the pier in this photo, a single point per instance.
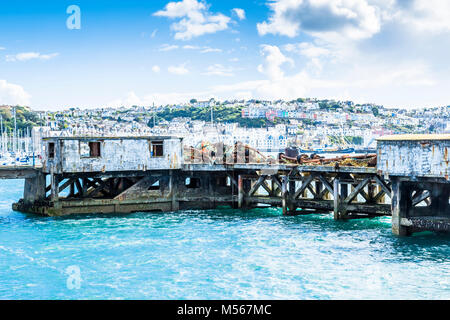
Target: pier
pixel 81 175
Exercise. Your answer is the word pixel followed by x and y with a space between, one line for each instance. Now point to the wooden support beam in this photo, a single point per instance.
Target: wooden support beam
pixel 232 180
pixel 256 186
pixel 266 187
pixel 66 184
pixel 336 199
pixel 275 188
pixel 240 191
pixel 277 182
pixel 379 196
pixel 357 190
pixel 365 195
pixel 99 188
pixel 79 188
pixel 304 185
pixel 420 196
pixel 291 200
pixel 311 189
pixel 72 190
pixel 386 188
pixel 327 185
pixel 284 195
pixel 326 191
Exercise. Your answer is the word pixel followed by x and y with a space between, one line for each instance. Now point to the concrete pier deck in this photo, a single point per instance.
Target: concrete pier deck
pixel 130 174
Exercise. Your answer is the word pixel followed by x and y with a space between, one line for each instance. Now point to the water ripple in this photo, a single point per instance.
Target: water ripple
pixel 215 254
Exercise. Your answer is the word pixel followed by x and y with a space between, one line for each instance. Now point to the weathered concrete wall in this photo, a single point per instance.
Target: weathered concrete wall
pixel 118 154
pixel 414 158
pixel 18 172
pixel 34 189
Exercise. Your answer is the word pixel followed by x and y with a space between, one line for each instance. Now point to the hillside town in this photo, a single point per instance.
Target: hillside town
pixel 269 126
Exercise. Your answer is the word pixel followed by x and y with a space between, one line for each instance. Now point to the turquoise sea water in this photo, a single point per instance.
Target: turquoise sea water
pixel 216 254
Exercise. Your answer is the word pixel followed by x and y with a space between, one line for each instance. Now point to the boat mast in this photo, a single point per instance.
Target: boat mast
pixel 154 115
pixel 15 131
pixel 1 132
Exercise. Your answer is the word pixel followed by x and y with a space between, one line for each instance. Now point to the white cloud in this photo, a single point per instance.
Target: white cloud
pixel 207 50
pixel 202 49
pixel 219 70
pixel 366 84
pixel 354 19
pixel 178 70
pixel 167 47
pixel 307 49
pixel 190 47
pixel 13 94
pixel 424 15
pixel 274 59
pixel 2 48
pixel 240 13
pixel 315 55
pixel 154 33
pixel 372 77
pixel 156 69
pixel 194 19
pixel 403 66
pixel 25 56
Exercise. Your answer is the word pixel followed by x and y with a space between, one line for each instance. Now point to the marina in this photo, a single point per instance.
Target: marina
pixel 16 147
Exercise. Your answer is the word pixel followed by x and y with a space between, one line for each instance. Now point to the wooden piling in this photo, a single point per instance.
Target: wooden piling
pixel 336 199
pixel 284 194
pixel 240 191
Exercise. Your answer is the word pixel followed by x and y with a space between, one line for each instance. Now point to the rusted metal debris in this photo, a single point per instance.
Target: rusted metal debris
pixel 214 153
pixel 369 160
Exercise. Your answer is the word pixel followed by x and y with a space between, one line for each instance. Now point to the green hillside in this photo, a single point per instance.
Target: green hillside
pixel 25 118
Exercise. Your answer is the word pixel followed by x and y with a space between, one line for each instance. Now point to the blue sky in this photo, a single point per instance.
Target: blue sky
pixel 391 52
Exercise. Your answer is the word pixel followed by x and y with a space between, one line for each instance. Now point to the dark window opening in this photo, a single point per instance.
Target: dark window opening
pixel 51 150
pixel 157 149
pixel 222 182
pixel 192 183
pixel 94 149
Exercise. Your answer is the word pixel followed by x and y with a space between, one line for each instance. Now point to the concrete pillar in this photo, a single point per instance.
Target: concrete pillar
pixel 173 187
pixel 211 190
pixel 439 200
pixel 54 187
pixel 34 189
pixel 401 202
